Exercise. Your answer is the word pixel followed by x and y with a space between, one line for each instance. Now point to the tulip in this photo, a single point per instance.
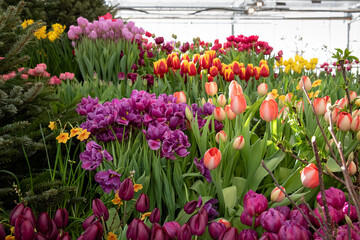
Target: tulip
pixel 352 168
pixel 196 58
pixel 342 102
pixel 239 143
pixel 212 158
pixel 272 220
pixel 353 214
pixel 184 233
pixel 175 63
pixel 256 73
pixel 29 215
pixel 126 190
pixel 305 80
pixel 320 106
pixel 310 176
pixel 249 72
pixel 246 219
pixel 300 106
pixel 269 236
pixel 2 232
pixel 285 210
pixel 94 231
pixel 137 230
pixel 247 234
pixel 61 218
pixel 334 115
pixel 355 113
pixel 269 110
pixel 238 104
pixel 264 70
pixel 229 75
pixel 190 207
pixel 344 121
pixel 355 123
pixel 221 100
pixel 219 114
pixel 142 203
pixel 204 61
pixel 88 222
pixel 215 229
pixel 24 229
pixel 192 69
pixel 353 95
pixel 213 71
pixel 277 195
pixel 357 102
pixel 184 66
pixel 297 217
pixel 334 197
pixel 235 66
pixel 197 223
pixel 217 63
pixel 225 222
pixel 334 216
pixel 292 230
pixel 242 73
pixel 15 213
pixel 211 88
pixel 234 89
pixel 180 97
pixel 254 204
pixel 44 225
pixel 157 232
pixel 209 77
pixel 100 210
pixel 229 233
pixel 155 216
pixel 172 229
pixel 63 236
pixel 229 113
pixel 221 136
pixel 210 101
pixel 262 89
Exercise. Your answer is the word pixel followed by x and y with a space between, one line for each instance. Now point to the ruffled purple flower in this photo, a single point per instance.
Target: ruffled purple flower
pixel 203 169
pixel 155 134
pixel 87 105
pixel 175 142
pixel 108 180
pixel 132 77
pixel 211 209
pixel 93 156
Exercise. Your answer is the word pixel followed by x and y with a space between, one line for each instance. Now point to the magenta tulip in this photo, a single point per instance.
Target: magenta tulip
pixel 184 233
pixel 172 229
pixel 155 216
pixel 24 229
pixel 126 190
pixel 99 209
pixel 142 203
pixel 215 229
pixel 272 220
pixel 61 218
pixel 229 233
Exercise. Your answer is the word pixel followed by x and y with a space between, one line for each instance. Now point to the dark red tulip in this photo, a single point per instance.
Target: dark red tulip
pixel 24 229
pixel 190 207
pixel 215 229
pixel 44 224
pixel 184 233
pixel 155 216
pixel 142 203
pixel 17 211
pixel 137 230
pixel 198 224
pixel 172 229
pixel 63 236
pixel 158 233
pixel 29 214
pixel 61 218
pixel 94 231
pixel 90 220
pixel 2 232
pixel 99 209
pixel 229 233
pixel 126 190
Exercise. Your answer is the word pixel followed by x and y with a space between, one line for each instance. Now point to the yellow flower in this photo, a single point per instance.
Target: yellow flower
pixel 52 125
pixel 111 236
pixel 297 57
pixel 287 69
pixel 75 131
pixel 9 237
pixel 83 135
pixel 12 230
pixel 27 23
pixel 117 200
pixel 282 98
pixel 40 33
pixel 316 83
pixel 63 137
pixel 308 66
pixel 314 61
pixel 145 215
pixel 311 95
pixel 137 187
pixel 316 94
pixel 297 87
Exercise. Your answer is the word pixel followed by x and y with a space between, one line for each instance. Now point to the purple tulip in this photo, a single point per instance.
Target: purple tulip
pixel 40 236
pixel 272 220
pixel 296 216
pixel 190 207
pixel 109 180
pixel 304 208
pixel 93 35
pixel 63 236
pixel 82 22
pixel 229 233
pixel 88 221
pixel 93 156
pixel 334 197
pixel 353 215
pixel 61 218
pixel 29 214
pixel 142 203
pixel 126 190
pixel 172 229
pixel 15 213
pixel 198 223
pixel 255 204
pixel 321 215
pixel 71 35
pixel 121 76
pixel 94 231
pixel 157 232
pixel 155 216
pixel 2 232
pixel 215 229
pixel 24 229
pixel 99 209
pixel 137 230
pixel 248 220
pixel 293 231
pixel 269 236
pixel 285 210
pixel 184 233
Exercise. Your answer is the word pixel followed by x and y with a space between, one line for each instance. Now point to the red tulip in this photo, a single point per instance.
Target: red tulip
pixel 310 176
pixel 211 88
pixel 15 213
pixel 155 216
pixel 225 222
pixel 229 75
pixel 212 158
pixel 249 72
pixel 344 121
pixel 24 229
pixel 94 231
pixel 229 113
pixel 137 230
pixel 235 66
pixel 61 218
pixel 213 71
pixel 355 123
pixel 242 73
pixel 217 63
pixel 196 57
pixel 219 114
pixel 126 190
pixel 185 57
pixel 205 61
pixel 320 106
pixel 180 97
pixel 192 69
pixel 262 89
pixel 175 63
pixel 99 209
pixel 264 70
pixel 184 66
pixel 256 73
pixel 238 104
pixel 269 110
pixel 277 195
pixel 210 78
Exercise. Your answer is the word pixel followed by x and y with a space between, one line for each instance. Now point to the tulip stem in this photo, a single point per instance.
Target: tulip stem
pixel 290 199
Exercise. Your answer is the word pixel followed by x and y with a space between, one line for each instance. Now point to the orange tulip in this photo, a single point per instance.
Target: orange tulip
pixel 196 57
pixel 277 195
pixel 344 121
pixel 213 71
pixel 211 88
pixel 180 97
pixel 320 106
pixel 229 75
pixel 238 104
pixel 219 114
pixel 305 80
pixel 217 63
pixel 234 89
pixel 192 69
pixel 221 100
pixel 229 113
pixel 355 123
pixel 184 66
pixel 310 176
pixel 212 158
pixel 239 143
pixel 175 63
pixel 221 136
pixel 235 66
pixel 269 110
pixel 262 89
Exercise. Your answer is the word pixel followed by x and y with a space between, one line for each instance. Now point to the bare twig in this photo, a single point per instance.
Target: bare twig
pixel 293 155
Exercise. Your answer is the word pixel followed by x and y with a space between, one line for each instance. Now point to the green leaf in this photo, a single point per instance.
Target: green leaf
pixel 230 194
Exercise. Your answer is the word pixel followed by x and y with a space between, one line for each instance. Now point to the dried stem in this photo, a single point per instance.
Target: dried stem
pixel 290 199
pixel 347 85
pixel 293 155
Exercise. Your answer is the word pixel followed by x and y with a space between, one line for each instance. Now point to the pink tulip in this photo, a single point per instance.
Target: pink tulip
pixel 234 89
pixel 344 121
pixel 222 100
pixel 239 143
pixel 212 158
pixel 238 104
pixel 180 97
pixel 262 89
pixel 305 81
pixel 355 123
pixel 211 88
pixel 269 110
pixel 353 95
pixel 221 136
pixel 229 113
pixel 219 114
pixel 320 106
pixel 310 176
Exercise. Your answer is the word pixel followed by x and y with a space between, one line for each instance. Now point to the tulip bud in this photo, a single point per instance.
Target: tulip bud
pixel 212 158
pixel 355 123
pixel 126 190
pixel 288 97
pixel 142 203
pixel 24 229
pixel 155 216
pixel 357 102
pixel 188 113
pixel 94 231
pixel 219 114
pixel 225 222
pixel 305 80
pixel 29 215
pixel 215 229
pixel 63 236
pixel 44 225
pixel 353 95
pixel 310 176
pixel 203 101
pixel 272 220
pixel 197 223
pixel 247 234
pixel 269 110
pixel 239 143
pixel 211 88
pixel 344 121
pixel 320 106
pixel 300 106
pixel 184 233
pixel 2 232
pixel 352 168
pixel 172 229
pixel 262 89
pixel 190 207
pixel 99 209
pixel 221 100
pixel 89 221
pixel 254 204
pixel 221 136
pixel 277 195
pixel 16 212
pixel 180 97
pixel 238 104
pixel 61 218
pixel 137 230
pixel 229 113
pixel 210 101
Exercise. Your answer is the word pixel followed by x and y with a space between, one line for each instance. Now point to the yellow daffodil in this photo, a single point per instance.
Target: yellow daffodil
pixel 52 125
pixel 147 214
pixel 75 131
pixel 111 236
pixel 137 187
pixel 26 23
pixel 84 134
pixel 117 200
pixel 63 137
pixel 316 83
pixel 40 33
